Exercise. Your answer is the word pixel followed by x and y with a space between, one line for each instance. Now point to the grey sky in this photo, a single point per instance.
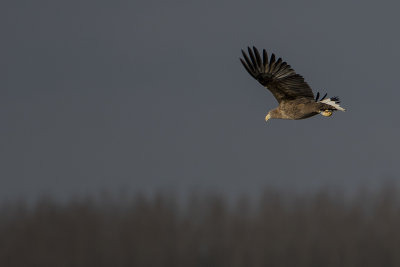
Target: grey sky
pixel 146 95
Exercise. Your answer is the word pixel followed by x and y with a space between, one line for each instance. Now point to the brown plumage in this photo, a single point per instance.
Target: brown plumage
pixel 295 97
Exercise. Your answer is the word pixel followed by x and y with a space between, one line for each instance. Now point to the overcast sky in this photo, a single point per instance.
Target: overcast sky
pixel 150 95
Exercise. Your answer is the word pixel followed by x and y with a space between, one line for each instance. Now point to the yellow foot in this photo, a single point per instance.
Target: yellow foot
pixel 326 113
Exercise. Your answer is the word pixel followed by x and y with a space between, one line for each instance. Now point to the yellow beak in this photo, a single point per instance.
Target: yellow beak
pixel 267 117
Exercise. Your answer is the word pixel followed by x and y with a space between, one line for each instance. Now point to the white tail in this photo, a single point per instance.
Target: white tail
pixel 332 102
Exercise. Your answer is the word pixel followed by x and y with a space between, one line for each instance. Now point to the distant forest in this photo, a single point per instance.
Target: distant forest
pixel 277 229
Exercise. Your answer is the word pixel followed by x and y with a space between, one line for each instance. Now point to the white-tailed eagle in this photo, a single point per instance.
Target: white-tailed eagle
pixel 295 97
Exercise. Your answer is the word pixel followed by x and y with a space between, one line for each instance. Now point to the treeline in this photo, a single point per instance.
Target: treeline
pixel 322 229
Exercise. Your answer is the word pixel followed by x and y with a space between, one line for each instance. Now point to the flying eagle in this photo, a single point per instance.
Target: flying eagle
pixel 295 97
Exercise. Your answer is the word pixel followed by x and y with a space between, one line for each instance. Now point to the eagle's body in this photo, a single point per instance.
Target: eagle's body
pixel 295 97
pixel 297 109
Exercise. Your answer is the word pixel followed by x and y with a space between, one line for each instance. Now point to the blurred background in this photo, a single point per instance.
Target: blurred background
pixel 125 108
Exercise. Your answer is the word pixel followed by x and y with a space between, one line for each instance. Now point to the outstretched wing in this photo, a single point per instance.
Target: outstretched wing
pixel 276 75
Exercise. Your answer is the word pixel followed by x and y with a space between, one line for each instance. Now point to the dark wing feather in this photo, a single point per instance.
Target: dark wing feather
pixel 276 75
pixel 294 87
